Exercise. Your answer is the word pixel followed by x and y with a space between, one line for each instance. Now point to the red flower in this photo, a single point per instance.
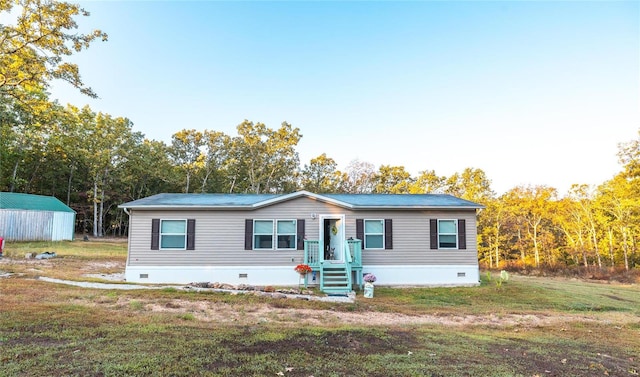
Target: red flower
pixel 303 269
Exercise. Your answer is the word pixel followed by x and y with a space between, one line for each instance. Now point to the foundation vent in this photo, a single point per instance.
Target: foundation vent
pixel 462 274
pixel 243 276
pixel 144 276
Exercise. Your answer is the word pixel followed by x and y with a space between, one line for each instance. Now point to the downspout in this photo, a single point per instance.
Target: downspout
pixel 128 243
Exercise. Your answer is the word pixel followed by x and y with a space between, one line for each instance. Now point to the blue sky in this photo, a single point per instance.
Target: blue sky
pixel 531 92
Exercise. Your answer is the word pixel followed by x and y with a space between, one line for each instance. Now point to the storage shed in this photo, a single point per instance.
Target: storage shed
pixel 26 217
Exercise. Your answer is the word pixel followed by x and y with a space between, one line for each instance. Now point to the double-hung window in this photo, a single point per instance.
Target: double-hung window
pixel 274 234
pixel 263 234
pixel 286 234
pixel 173 234
pixel 447 234
pixel 374 234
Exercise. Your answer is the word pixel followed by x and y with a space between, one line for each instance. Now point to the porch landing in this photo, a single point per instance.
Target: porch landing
pixel 336 277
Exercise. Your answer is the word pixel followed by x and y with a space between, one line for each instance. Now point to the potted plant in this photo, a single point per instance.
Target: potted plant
pixel 369 279
pixel 303 269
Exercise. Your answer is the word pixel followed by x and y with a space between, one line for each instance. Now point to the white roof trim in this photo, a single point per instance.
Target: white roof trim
pixel 299 194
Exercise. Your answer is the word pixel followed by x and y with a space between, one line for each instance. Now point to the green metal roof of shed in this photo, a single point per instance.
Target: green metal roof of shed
pixel 12 200
pixel 252 201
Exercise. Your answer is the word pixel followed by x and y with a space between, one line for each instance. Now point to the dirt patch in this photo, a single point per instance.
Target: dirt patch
pixel 105 265
pixel 255 313
pixel 110 277
pixel 327 344
pixel 96 267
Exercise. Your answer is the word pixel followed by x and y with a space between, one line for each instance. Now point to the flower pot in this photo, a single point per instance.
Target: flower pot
pixel 303 279
pixel 368 290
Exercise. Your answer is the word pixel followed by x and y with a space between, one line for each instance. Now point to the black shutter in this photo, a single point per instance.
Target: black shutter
pixel 191 234
pixel 360 230
pixel 248 234
pixel 388 234
pixel 433 233
pixel 300 234
pixel 462 234
pixel 155 234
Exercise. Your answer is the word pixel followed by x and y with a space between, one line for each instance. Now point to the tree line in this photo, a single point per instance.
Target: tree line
pixel 95 161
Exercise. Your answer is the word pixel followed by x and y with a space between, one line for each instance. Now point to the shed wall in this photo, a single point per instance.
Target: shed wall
pixel 63 226
pixel 22 225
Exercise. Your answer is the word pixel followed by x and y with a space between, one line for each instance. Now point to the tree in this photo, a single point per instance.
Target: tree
pixel 147 170
pixel 217 148
pixel 471 184
pixel 264 160
pixel 617 199
pixel 320 176
pixel 358 178
pixel 491 237
pixel 392 180
pixel 24 135
pixel 186 154
pixel 105 146
pixel 577 219
pixel 530 209
pixel 33 49
pixel 428 182
pixel 629 155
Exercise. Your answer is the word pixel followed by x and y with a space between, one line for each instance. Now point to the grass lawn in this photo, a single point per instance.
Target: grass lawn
pixel 525 327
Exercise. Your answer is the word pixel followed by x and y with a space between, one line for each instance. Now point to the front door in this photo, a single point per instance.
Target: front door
pixel 332 237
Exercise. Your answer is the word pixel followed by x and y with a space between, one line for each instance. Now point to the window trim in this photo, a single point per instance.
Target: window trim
pixel 254 234
pixel 294 234
pixel 455 222
pixel 161 234
pixel 274 235
pixel 364 234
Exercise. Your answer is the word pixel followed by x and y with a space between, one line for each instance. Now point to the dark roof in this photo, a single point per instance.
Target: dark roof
pixel 252 201
pixel 402 200
pixel 200 200
pixel 12 200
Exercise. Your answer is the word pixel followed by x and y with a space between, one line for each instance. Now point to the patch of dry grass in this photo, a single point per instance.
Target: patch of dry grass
pixel 525 327
pixel 74 259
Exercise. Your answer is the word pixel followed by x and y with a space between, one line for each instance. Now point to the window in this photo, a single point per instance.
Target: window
pixel 284 233
pixel 274 234
pixel 374 234
pixel 263 234
pixel 447 234
pixel 173 234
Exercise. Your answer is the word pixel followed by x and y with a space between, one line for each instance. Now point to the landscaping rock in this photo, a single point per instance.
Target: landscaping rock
pixel 46 255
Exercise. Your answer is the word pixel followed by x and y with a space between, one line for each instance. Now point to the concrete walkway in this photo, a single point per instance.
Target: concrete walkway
pixel 85 284
pixel 344 299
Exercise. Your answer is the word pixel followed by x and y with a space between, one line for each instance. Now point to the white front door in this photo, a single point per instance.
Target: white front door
pixel 332 237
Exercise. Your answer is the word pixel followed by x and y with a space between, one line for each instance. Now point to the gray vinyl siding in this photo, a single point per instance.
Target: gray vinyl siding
pixel 219 236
